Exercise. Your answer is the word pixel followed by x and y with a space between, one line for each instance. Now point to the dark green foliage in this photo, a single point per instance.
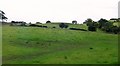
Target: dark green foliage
pixel 95 24
pixel 66 26
pixel 48 21
pixel 89 22
pixel 102 22
pixel 115 29
pixel 91 28
pixel 44 26
pixel 63 25
pixel 33 25
pixel 2 16
pixel 107 26
pixel 77 29
pixel 74 22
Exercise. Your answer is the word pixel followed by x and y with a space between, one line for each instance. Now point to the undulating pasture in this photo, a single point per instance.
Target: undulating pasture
pixel 35 45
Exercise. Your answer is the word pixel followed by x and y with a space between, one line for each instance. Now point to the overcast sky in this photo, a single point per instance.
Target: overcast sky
pixel 59 10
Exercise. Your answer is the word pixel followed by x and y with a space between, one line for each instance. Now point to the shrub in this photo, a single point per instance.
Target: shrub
pixel 66 26
pixel 102 22
pixel 91 28
pixel 115 29
pixel 63 25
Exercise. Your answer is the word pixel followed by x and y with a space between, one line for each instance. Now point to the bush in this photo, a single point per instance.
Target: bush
pixel 115 29
pixel 63 25
pixel 102 22
pixel 66 26
pixel 91 28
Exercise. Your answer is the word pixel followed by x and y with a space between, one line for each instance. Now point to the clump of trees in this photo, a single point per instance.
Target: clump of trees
pixel 103 25
pixel 107 26
pixel 92 26
pixel 63 25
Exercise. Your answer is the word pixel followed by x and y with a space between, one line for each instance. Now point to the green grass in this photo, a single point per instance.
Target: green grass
pixel 34 45
pixel 0 43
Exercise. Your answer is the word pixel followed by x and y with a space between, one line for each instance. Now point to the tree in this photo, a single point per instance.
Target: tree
pixel 63 25
pixel 89 22
pixel 115 29
pixel 95 24
pixel 102 22
pixel 48 21
pixel 91 28
pixel 108 24
pixel 74 22
pixel 2 16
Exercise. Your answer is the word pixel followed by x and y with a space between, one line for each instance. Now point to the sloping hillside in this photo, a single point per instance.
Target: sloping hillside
pixel 35 45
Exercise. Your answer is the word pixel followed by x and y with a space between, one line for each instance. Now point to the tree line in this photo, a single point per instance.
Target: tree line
pixel 102 24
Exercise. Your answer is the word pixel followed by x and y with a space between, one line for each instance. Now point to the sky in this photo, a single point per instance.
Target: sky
pixel 59 10
pixel 119 9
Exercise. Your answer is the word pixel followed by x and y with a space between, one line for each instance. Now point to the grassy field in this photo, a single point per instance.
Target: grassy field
pixel 35 45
